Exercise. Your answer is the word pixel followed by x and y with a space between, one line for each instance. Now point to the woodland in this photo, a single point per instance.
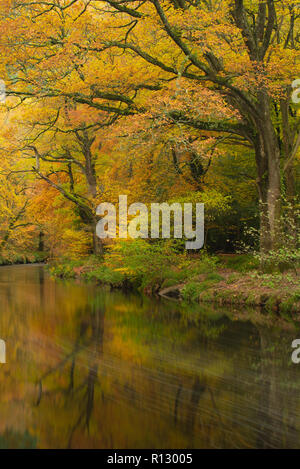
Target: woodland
pixel 163 101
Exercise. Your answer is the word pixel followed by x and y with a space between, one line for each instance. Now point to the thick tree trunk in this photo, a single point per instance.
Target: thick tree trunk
pixel 89 219
pixel 91 179
pixel 291 217
pixel 289 176
pixel 262 183
pixel 270 208
pixel 269 180
pixel 97 242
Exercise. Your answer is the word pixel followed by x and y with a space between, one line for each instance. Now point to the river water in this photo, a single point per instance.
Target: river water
pixel 90 368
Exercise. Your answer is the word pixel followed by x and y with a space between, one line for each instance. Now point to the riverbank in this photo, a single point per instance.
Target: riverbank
pixel 223 279
pixel 276 293
pixel 31 258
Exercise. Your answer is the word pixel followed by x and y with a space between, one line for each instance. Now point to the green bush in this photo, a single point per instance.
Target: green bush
pixel 241 263
pixel 139 264
pixel 106 275
pixel 64 268
pixel 191 292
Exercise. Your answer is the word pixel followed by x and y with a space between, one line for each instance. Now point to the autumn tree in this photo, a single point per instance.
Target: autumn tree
pixel 16 228
pixel 131 59
pixel 246 53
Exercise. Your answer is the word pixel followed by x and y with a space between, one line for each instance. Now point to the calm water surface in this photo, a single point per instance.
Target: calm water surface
pixel 89 368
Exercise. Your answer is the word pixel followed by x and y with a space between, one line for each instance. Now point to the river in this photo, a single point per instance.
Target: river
pixel 91 368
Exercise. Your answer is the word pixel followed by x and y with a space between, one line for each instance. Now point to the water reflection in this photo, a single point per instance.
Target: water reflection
pixel 97 369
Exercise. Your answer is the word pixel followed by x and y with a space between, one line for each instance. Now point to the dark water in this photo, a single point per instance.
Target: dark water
pixel 97 369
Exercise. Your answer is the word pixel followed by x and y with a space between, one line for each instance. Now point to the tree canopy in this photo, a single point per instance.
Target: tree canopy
pixel 159 100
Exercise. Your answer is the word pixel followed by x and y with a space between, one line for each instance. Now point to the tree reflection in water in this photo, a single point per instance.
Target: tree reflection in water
pixel 93 368
pixel 90 337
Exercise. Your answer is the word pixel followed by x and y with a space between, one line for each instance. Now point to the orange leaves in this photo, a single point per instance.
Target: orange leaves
pixel 153 93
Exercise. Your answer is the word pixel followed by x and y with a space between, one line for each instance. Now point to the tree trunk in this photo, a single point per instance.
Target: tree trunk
pixel 291 217
pixel 288 136
pixel 41 246
pixel 269 180
pixel 89 219
pixel 97 242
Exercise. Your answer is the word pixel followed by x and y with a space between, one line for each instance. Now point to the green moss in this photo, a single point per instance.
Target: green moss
pixel 214 277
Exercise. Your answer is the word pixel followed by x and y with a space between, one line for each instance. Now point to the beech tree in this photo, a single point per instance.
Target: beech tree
pixel 235 60
pixel 246 52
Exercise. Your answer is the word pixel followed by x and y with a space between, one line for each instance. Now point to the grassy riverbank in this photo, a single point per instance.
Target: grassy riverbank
pixel 161 269
pixel 25 258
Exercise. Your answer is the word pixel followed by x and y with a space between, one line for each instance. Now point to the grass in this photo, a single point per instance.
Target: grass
pixel 240 263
